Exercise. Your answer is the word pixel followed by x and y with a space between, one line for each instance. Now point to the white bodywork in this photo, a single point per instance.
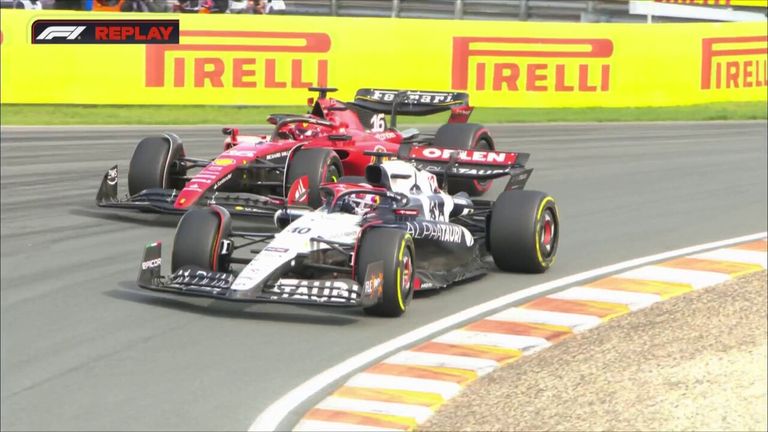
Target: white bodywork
pixel 295 239
pixel 344 227
pixel 426 187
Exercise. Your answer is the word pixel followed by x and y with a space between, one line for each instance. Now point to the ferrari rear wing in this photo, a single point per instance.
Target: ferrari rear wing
pixel 414 103
pixel 472 164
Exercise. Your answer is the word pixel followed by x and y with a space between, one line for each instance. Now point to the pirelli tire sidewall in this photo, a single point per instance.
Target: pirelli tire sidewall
pixel 319 165
pixel 392 247
pixel 154 164
pixel 198 239
pixel 523 231
pixel 465 136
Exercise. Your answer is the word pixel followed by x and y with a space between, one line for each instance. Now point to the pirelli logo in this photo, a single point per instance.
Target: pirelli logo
pixel 734 62
pixel 522 64
pixel 240 59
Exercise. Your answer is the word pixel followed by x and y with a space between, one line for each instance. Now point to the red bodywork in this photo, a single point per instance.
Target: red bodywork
pixel 243 150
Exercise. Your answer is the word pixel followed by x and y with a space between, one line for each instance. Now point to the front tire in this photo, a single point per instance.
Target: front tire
pixel 465 136
pixel 307 170
pixel 523 231
pixel 394 249
pixel 199 238
pixel 154 164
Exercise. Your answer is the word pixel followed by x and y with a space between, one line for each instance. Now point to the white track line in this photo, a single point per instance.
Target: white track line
pixel 270 418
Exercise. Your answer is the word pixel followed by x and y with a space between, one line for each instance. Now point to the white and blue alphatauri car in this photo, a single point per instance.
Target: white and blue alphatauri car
pixel 374 240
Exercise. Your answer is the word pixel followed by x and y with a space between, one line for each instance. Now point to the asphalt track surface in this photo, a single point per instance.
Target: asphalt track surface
pixel 84 349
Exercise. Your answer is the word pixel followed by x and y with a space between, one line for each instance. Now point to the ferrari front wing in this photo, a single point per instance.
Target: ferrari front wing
pixel 162 200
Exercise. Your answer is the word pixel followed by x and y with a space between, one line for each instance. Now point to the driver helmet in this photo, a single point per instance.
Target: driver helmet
pixel 359 203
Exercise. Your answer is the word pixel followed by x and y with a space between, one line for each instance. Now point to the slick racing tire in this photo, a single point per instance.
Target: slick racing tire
pixel 393 250
pixel 307 170
pixel 154 165
pixel 198 239
pixel 523 231
pixel 465 136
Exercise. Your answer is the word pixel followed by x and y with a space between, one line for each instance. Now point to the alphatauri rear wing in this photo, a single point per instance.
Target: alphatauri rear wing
pixel 474 164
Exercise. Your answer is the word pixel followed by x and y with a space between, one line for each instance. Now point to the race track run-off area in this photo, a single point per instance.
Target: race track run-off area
pixel 84 349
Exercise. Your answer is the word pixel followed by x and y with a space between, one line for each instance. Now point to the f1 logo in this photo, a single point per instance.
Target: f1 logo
pixel 103 31
pixel 68 32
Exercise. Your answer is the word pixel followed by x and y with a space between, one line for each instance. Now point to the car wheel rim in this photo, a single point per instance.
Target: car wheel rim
pixel 407 276
pixel 332 175
pixel 547 235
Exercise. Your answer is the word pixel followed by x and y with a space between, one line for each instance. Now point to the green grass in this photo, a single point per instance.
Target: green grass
pixel 12 114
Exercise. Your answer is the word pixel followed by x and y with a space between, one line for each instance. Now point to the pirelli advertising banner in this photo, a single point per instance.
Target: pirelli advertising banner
pixel 93 58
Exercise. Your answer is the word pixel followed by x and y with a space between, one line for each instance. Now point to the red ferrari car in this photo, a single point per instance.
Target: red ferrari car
pixel 257 175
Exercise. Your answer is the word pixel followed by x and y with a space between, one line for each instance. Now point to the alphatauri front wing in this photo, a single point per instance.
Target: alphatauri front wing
pixel 218 285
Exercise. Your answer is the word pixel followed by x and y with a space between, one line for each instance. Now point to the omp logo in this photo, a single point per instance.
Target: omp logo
pixel 66 32
pixel 250 64
pixel 738 62
pixel 544 69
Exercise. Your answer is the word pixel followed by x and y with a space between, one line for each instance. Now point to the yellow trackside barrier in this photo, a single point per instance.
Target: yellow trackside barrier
pixel 271 60
pixel 740 3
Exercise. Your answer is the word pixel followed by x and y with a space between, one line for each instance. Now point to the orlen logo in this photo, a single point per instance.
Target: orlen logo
pixel 493 158
pixel 251 64
pixel 543 70
pixel 738 62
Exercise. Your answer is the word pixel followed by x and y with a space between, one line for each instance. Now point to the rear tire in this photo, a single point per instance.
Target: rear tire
pixel 153 165
pixel 319 166
pixel 523 231
pixel 465 136
pixel 198 239
pixel 394 248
